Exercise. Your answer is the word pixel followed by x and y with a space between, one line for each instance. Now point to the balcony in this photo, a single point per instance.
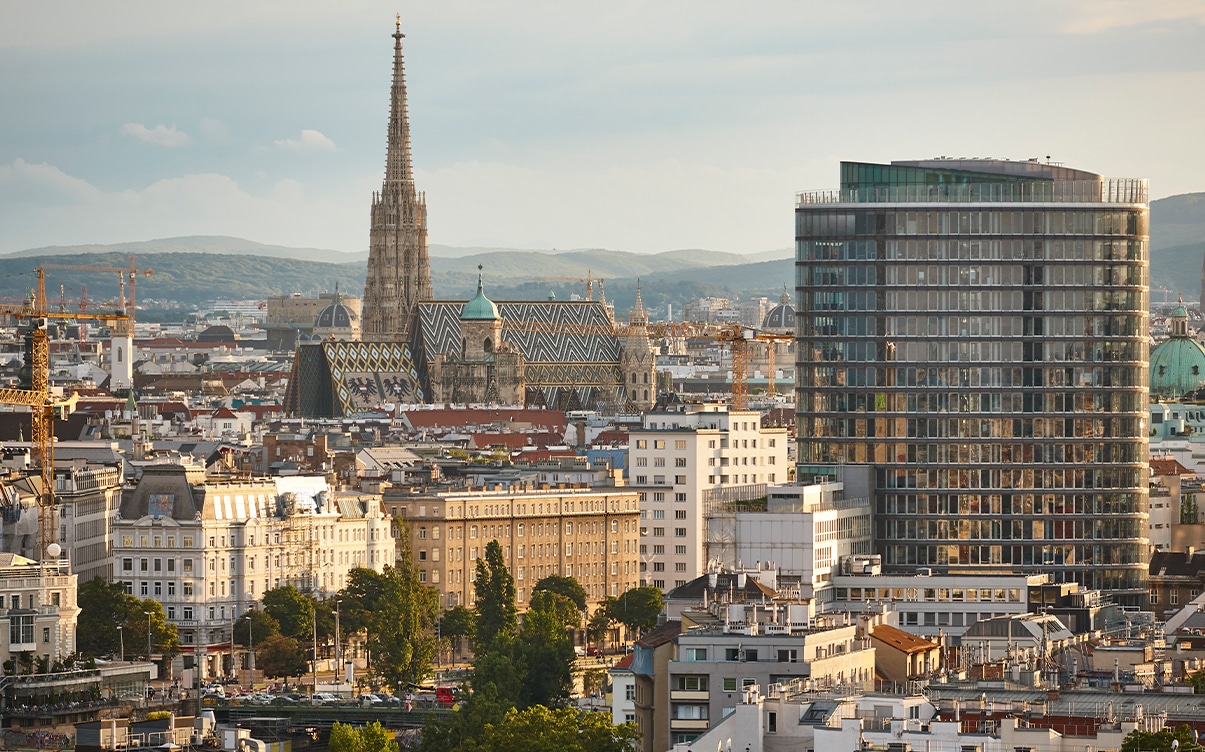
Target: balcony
pixel 682 694
pixel 683 724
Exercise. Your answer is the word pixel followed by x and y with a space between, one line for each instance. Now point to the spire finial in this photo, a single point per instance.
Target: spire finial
pixel 479 288
pixel 398 22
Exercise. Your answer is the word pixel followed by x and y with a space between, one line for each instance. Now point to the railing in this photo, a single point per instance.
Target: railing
pixel 1104 191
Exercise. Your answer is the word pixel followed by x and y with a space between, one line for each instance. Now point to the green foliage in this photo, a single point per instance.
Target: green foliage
pixel 292 610
pixel 600 622
pixel 495 589
pixel 594 681
pixel 370 738
pixel 399 613
pixel 566 586
pixel 547 652
pixel 281 657
pixel 324 616
pixel 541 729
pixel 106 606
pixel 1161 741
pixel 458 622
pixel 158 715
pixel 163 633
pixel 255 626
pixel 1189 512
pixel 637 609
pixel 454 732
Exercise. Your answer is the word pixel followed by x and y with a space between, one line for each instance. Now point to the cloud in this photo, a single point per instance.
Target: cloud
pixel 160 135
pixel 310 140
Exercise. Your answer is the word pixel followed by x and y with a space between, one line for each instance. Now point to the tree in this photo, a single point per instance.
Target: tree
pixel 495 589
pixel 566 586
pixel 637 609
pixel 255 626
pixel 600 622
pixel 280 657
pixel 292 610
pixel 1161 741
pixel 399 612
pixel 456 623
pixel 103 607
pixel 163 633
pixel 370 738
pixel 541 729
pixel 547 653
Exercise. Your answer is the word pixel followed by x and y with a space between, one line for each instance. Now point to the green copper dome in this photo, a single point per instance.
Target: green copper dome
pixel 1177 365
pixel 480 308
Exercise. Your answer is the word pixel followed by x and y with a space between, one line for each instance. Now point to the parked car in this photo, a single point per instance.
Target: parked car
pixel 325 698
pixel 594 650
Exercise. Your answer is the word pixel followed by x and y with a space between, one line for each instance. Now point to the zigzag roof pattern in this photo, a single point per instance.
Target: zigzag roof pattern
pixel 553 331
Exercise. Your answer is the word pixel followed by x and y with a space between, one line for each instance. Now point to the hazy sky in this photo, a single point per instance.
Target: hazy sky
pixel 641 126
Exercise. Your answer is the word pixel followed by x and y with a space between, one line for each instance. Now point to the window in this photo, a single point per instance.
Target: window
pixel 187 565
pixel 679 443
pixel 729 683
pixel 680 566
pixel 691 683
pixel 697 654
pixel 658 462
pixel 142 587
pixel 772 722
pixel 642 444
pixel 680 550
pixel 20 629
pixel 680 480
pixel 679 514
pixel 788 656
pixel 680 532
pixel 658 514
pixel 158 588
pixel 143 565
pixel 659 532
pixel 659 443
pixel 629 692
pixel 679 497
pixel 658 566
pixel 1154 595
pixel 127 565
pixel 657 549
pixel 187 588
pixel 642 462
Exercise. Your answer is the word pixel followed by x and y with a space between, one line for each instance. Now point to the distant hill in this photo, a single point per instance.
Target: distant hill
pixel 217 244
pixel 1177 221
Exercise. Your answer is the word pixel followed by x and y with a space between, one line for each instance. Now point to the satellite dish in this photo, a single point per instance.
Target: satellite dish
pixel 53 550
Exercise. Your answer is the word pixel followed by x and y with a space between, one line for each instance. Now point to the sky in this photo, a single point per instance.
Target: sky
pixel 637 126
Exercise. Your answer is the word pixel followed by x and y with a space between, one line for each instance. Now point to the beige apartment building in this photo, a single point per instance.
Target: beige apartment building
pixel 592 535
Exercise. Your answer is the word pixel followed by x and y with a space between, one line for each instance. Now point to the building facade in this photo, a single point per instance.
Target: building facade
pixel 976 330
pixel 686 462
pixel 399 269
pixel 37 611
pixel 591 535
pixel 208 549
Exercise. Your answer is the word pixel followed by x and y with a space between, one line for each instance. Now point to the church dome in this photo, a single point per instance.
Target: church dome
pixel 781 316
pixel 1177 364
pixel 480 308
pixel 335 316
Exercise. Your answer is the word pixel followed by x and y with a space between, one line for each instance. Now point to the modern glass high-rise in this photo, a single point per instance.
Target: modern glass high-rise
pixel 976 329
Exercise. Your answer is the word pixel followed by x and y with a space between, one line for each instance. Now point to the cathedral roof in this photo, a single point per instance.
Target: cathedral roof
pixel 480 308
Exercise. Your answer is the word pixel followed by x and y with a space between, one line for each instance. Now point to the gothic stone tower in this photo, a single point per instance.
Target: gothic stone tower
pixel 637 361
pixel 399 270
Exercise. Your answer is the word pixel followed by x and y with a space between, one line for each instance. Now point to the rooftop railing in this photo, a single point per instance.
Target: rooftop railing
pixel 1106 191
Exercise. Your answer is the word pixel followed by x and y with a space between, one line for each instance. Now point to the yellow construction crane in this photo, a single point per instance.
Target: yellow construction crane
pixel 740 341
pixel 132 274
pixel 44 406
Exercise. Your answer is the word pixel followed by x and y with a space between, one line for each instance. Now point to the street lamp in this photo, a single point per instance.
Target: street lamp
pixel 250 649
pixel 121 636
pixel 338 663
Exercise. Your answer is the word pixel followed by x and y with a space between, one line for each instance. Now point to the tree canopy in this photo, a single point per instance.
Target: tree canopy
pixel 106 606
pixel 1161 741
pixel 541 729
pixel 495 588
pixel 292 609
pixel 254 626
pixel 370 738
pixel 566 586
pixel 280 657
pixel 399 614
pixel 637 609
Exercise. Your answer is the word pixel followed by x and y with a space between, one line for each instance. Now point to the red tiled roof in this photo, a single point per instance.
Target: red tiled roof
pixel 1168 467
pixel 549 420
pixel 901 640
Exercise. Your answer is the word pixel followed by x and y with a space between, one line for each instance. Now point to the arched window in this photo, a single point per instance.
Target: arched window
pixel 633 378
pixel 646 377
pixel 488 345
pixel 119 360
pixel 646 395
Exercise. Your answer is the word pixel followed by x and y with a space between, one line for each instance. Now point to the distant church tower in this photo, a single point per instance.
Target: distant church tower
pixel 637 361
pixel 399 270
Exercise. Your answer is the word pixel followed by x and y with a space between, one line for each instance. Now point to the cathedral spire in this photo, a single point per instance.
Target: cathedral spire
pixel 638 316
pixel 399 268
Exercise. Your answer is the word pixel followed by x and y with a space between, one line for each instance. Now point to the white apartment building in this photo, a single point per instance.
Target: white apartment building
pixel 803 533
pixel 37 609
pixel 928 603
pixel 208 548
pixel 687 460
